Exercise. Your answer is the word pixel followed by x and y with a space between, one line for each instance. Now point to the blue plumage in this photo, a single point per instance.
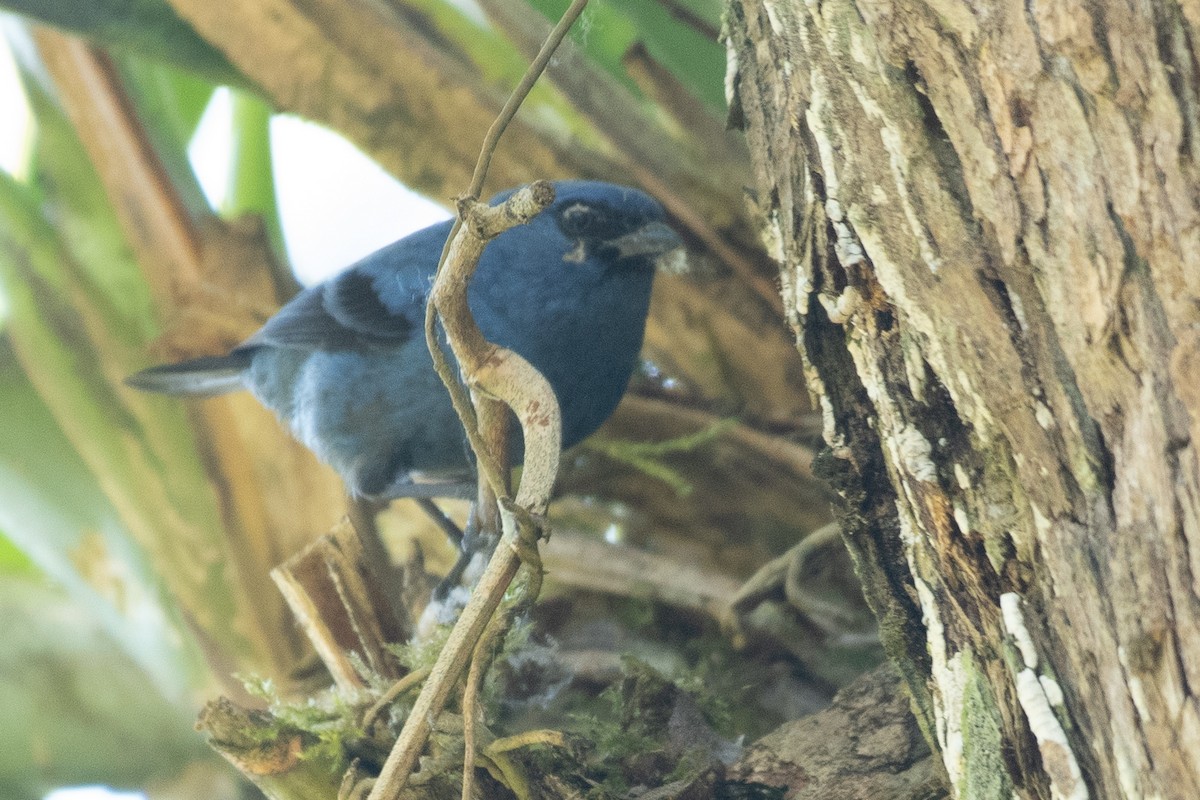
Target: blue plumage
pixel 345 365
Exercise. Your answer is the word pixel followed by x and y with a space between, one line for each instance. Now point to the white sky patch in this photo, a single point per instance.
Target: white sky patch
pixel 337 205
pixel 210 147
pixel 16 130
pixel 93 793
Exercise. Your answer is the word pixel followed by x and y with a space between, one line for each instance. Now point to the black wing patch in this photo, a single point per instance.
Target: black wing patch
pixel 353 301
pixel 342 314
pixel 303 323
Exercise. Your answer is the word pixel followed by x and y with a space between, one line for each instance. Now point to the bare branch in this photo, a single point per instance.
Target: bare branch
pixel 496 373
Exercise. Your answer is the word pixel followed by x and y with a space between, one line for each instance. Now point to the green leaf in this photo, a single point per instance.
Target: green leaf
pixel 61 526
pixel 170 104
pixel 76 709
pixel 84 226
pixel 252 178
pixel 684 42
pixel 502 65
pixel 171 99
pixel 81 321
pixel 13 561
pixel 148 27
pixel 604 33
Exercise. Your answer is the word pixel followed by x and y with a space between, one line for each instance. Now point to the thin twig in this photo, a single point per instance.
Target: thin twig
pixel 489 470
pixel 361 788
pixel 493 427
pixel 458 394
pixel 350 779
pixel 543 736
pixel 493 371
pixel 472 711
pixel 395 690
pixel 509 377
pixel 481 660
pixel 446 671
pixel 518 96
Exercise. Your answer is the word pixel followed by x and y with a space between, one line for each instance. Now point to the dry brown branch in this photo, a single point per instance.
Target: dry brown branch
pixel 506 375
pixel 500 374
pixel 581 561
pixel 93 95
pixel 340 606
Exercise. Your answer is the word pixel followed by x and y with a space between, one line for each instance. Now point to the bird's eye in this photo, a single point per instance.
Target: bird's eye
pixel 579 221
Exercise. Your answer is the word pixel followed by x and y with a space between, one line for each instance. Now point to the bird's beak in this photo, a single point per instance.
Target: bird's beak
pixel 652 239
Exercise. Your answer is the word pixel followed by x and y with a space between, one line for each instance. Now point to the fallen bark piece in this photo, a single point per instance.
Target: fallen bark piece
pixel 865 745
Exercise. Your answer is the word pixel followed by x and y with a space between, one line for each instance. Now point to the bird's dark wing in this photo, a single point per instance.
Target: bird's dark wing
pixel 303 323
pixel 379 301
pixel 352 299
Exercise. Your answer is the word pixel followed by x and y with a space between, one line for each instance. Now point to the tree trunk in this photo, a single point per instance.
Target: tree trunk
pixel 986 221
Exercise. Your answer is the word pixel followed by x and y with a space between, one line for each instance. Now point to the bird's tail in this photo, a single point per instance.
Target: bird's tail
pixel 202 377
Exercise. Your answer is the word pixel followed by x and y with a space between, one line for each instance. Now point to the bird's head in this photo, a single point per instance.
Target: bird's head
pixel 615 225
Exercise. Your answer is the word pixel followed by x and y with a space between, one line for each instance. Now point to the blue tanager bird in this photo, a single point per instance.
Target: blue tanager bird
pixel 344 364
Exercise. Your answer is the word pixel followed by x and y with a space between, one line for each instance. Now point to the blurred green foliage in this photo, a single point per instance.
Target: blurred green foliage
pixel 150 28
pixel 99 674
pixel 680 34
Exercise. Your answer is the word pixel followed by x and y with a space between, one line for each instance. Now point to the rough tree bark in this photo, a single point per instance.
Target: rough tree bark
pixel 986 220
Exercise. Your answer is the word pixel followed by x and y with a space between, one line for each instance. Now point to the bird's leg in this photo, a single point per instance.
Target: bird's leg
pixel 405 487
pixel 483 524
pixel 469 543
pixel 423 494
pixel 473 541
pixel 444 523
